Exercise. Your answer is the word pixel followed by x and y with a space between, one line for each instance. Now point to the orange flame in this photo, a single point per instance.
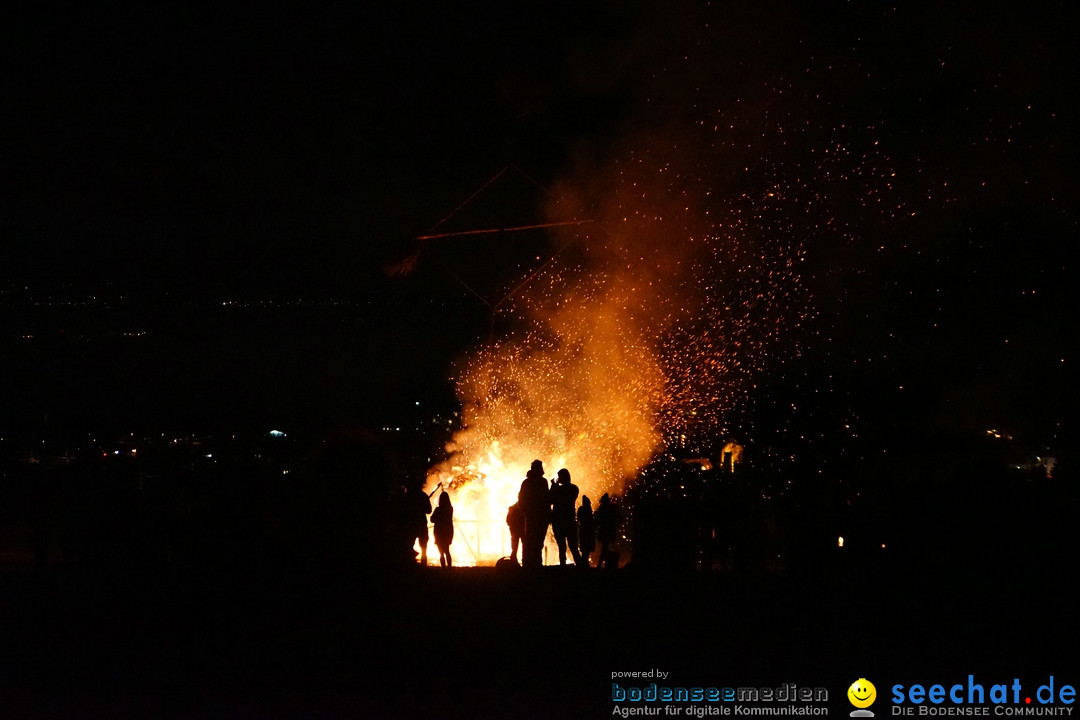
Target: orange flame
pixel 583 396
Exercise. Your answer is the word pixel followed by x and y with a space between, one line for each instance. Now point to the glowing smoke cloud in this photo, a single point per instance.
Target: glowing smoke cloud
pixel 656 323
pixel 652 328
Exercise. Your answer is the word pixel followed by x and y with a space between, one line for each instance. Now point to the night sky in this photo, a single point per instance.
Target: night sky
pixel 168 156
pixel 840 233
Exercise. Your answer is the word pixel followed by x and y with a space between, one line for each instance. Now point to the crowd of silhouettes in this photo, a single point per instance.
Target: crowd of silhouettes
pixel 540 506
pixel 577 530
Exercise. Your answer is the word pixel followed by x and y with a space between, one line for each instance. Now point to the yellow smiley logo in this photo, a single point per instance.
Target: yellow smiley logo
pixel 862 693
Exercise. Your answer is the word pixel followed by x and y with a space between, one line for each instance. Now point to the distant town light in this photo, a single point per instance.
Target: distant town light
pixel 840 541
pixel 276 433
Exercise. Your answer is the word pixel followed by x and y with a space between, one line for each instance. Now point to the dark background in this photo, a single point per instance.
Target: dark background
pixel 162 162
pixel 200 211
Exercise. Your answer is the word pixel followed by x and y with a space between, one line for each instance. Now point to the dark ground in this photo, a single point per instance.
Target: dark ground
pixel 273 643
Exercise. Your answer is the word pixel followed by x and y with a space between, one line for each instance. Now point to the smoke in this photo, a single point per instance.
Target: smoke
pixel 594 379
pixel 654 323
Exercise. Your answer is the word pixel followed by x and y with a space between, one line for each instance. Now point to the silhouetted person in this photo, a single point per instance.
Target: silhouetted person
pixel 563 524
pixel 607 521
pixel 515 520
pixel 443 520
pixel 534 498
pixel 586 529
pixel 417 508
